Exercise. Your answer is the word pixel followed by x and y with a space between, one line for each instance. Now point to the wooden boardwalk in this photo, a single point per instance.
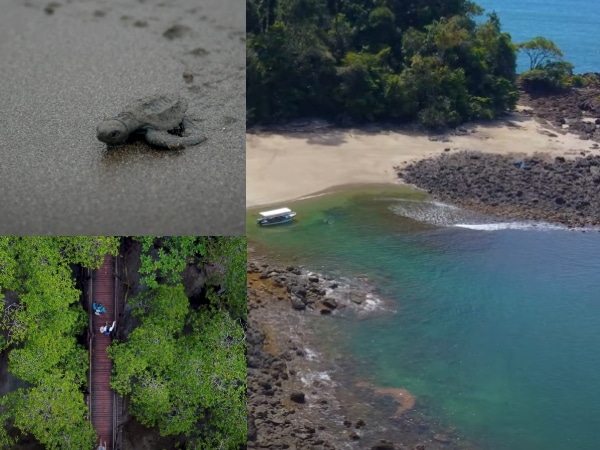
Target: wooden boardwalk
pixel 103 401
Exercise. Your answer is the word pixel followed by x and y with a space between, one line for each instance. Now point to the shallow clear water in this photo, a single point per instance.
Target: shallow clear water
pixel 497 331
pixel 571 24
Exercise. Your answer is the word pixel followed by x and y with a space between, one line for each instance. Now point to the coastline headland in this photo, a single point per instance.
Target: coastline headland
pixel 539 188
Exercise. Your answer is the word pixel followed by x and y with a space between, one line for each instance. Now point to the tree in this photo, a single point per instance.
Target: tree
pixel 340 36
pixel 165 258
pixel 6 441
pixel 363 52
pixel 548 72
pixel 185 370
pixel 552 76
pixel 231 254
pixel 42 328
pixel 361 89
pixel 540 50
pixel 380 30
pixel 54 412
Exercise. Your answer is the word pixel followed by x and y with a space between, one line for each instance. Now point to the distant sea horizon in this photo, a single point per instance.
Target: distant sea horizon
pixel 572 25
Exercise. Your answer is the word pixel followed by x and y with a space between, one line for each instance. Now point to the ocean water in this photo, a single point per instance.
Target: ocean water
pixel 571 24
pixel 497 329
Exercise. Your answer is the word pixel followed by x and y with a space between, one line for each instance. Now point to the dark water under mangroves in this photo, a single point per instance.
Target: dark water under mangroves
pixel 496 328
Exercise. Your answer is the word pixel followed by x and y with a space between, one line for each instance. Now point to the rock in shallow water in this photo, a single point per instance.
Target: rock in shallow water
pixel 297 303
pixel 331 303
pixel 442 438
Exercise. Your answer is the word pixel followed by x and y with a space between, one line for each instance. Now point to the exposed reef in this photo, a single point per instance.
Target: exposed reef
pixel 296 398
pixel 559 190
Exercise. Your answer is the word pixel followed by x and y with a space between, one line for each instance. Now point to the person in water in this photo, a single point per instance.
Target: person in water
pixel 106 330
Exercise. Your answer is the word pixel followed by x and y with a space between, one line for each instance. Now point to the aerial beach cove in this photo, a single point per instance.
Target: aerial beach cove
pixel 68 65
pixel 461 315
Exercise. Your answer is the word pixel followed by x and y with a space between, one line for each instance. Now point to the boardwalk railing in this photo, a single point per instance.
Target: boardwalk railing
pixel 104 403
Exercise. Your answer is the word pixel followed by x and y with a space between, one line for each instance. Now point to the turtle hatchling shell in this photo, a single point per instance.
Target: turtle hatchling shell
pixel 163 112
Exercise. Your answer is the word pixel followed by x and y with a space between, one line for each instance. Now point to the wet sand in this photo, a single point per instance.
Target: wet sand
pixel 286 166
pixel 65 67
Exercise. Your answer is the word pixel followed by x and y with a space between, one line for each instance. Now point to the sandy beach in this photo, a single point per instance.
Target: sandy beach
pixel 68 64
pixel 283 167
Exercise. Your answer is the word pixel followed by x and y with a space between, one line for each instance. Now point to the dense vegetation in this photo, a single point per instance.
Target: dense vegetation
pixel 435 62
pixel 176 252
pixel 40 331
pixel 548 72
pixel 371 60
pixel 183 366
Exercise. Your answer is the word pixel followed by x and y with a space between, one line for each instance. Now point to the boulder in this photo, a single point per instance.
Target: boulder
pixel 297 303
pixel 357 297
pixel 354 435
pixel 298 397
pixel 330 303
pixel 300 291
pixel 383 445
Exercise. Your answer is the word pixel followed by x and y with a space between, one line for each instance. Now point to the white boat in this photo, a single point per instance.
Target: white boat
pixel 275 217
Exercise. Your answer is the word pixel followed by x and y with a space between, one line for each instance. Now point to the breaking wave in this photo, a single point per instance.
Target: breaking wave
pixel 436 213
pixel 443 215
pixel 511 226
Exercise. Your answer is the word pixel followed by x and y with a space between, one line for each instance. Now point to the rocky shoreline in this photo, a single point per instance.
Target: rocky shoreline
pixel 575 110
pixel 292 401
pixel 563 191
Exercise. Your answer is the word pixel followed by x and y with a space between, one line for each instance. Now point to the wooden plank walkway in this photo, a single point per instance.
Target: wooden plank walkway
pixel 101 395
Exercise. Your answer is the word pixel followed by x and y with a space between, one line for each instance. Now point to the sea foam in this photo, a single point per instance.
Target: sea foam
pixel 511 226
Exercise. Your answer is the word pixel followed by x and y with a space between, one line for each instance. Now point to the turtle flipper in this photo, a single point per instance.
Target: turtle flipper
pixel 172 142
pixel 189 127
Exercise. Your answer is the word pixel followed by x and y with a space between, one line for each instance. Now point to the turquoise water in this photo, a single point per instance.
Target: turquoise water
pixel 497 332
pixel 571 24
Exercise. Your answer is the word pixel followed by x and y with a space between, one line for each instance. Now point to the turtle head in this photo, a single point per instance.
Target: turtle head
pixel 112 132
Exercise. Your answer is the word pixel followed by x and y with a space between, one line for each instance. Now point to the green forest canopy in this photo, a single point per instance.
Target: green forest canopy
pixel 193 383
pixel 374 60
pixel 42 329
pixel 184 368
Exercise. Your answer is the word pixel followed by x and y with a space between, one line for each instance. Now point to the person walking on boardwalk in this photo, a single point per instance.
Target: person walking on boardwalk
pixel 105 330
pixel 98 308
pixel 100 446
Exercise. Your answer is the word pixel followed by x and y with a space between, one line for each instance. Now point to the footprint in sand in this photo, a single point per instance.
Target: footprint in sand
pixel 177 32
pixel 199 52
pixel 51 7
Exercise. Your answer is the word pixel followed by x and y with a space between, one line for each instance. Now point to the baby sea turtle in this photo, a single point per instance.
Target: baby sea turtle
pixel 152 116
